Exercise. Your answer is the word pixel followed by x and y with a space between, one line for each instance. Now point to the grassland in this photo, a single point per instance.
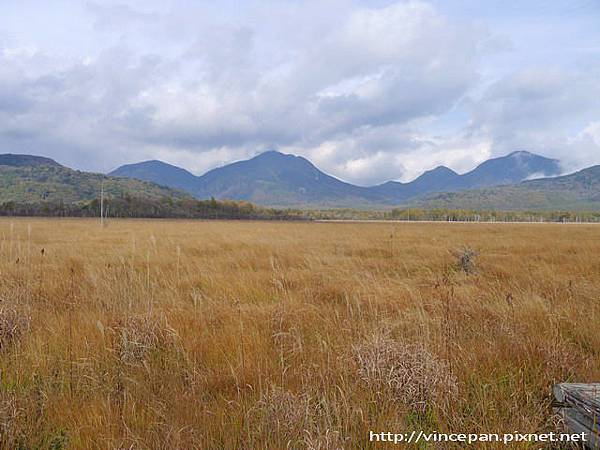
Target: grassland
pixel 183 334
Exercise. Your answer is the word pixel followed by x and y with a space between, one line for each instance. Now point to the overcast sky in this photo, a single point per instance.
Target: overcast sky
pixel 368 90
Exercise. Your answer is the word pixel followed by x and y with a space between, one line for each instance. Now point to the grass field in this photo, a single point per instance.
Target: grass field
pixel 175 334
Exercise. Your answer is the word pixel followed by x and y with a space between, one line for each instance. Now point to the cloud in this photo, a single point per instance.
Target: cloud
pixel 547 110
pixel 349 82
pixel 369 93
pixel 371 156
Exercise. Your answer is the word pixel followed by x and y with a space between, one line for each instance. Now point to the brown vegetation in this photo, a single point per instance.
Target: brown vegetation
pixel 188 334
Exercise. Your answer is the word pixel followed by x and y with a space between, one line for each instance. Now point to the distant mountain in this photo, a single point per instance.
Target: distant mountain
pixel 160 173
pixel 510 169
pixel 32 179
pixel 9 159
pixel 271 178
pixel 513 168
pixel 434 180
pixel 577 191
pixel 277 179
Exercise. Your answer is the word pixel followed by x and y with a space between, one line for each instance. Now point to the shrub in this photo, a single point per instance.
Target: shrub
pixel 466 260
pixel 135 337
pixel 407 373
pixel 298 419
pixel 14 322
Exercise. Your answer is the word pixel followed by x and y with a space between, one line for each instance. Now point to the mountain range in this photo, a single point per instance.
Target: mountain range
pixel 511 182
pixel 579 191
pixel 277 179
pixel 29 179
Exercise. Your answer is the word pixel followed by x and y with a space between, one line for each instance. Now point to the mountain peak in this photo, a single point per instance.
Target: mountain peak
pixel 274 158
pixel 159 172
pixel 152 163
pixel 16 160
pixel 278 179
pixel 520 153
pixel 432 180
pixel 528 156
pixel 440 170
pixel 272 154
pixel 512 168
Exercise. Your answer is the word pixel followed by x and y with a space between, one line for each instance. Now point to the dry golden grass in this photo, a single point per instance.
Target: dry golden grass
pixel 166 334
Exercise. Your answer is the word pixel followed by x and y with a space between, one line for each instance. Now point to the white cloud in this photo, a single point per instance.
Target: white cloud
pixel 369 93
pixel 546 110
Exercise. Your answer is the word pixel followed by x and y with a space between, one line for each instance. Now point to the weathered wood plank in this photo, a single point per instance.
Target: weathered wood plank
pixel 579 406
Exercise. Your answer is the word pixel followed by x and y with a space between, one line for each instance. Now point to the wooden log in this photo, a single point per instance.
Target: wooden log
pixel 579 406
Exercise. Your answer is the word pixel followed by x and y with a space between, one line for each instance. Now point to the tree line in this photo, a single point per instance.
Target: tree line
pixel 167 207
pixel 135 207
pixel 456 215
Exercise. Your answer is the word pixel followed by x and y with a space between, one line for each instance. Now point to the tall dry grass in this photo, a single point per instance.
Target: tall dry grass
pixel 165 334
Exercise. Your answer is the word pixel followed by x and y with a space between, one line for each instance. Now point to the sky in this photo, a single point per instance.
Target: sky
pixel 369 91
